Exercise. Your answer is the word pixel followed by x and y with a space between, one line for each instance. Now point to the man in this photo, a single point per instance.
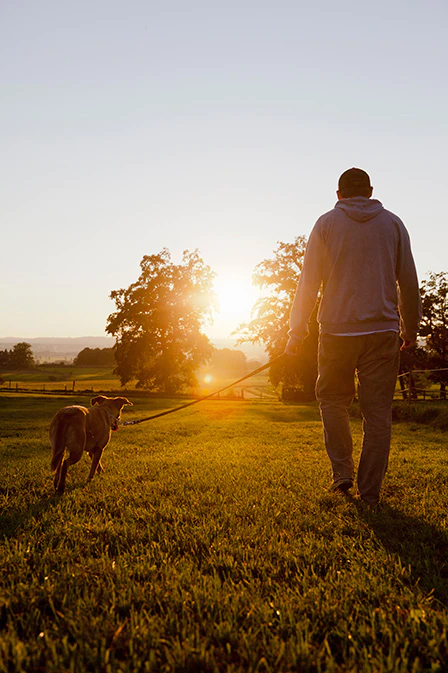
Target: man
pixel 361 254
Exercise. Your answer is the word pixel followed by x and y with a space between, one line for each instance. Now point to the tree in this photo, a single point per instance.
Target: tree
pixel 158 322
pixel 4 359
pixel 434 326
pixel 227 362
pixel 280 275
pixel 95 357
pixel 21 356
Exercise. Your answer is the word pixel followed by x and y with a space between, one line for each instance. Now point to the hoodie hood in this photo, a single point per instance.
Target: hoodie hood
pixel 360 208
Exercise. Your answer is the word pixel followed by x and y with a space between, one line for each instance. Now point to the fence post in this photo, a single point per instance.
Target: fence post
pixel 412 389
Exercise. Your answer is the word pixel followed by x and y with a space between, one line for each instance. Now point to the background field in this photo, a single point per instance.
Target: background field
pixel 68 378
pixel 211 543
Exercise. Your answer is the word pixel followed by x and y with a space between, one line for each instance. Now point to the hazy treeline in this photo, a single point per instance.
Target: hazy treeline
pixel 19 357
pixel 101 357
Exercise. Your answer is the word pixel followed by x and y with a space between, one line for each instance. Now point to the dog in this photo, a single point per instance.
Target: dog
pixel 80 429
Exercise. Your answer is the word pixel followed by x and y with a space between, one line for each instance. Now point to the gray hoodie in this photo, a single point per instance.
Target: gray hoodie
pixel 361 253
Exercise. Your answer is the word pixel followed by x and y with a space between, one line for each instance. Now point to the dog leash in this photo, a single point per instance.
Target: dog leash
pixel 206 397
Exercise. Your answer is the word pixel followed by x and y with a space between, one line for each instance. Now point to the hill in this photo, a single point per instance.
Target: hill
pixel 57 348
pixel 53 349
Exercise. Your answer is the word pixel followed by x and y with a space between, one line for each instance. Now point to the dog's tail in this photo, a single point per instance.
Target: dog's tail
pixel 57 434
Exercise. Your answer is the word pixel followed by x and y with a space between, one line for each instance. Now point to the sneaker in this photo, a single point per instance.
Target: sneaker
pixel 342 486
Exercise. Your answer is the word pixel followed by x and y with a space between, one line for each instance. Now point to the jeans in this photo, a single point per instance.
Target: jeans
pixel 375 359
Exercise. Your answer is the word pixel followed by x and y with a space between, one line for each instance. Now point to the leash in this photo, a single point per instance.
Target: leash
pixel 206 397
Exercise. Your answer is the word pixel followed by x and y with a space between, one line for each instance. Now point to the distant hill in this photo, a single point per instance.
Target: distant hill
pixel 57 348
pixel 53 349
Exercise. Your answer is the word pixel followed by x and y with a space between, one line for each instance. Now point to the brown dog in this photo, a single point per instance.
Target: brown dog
pixel 80 429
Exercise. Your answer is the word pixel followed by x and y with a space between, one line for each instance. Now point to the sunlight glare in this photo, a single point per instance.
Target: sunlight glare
pixel 236 297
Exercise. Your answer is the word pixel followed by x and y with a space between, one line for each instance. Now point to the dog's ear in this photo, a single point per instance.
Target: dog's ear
pixel 122 401
pixel 98 400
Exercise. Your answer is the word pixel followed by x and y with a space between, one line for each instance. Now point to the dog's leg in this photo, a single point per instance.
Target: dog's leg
pixel 96 459
pixel 58 430
pixel 59 481
pixel 57 475
pixel 100 467
pixel 75 442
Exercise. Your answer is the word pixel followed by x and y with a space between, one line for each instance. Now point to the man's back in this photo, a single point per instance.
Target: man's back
pixel 364 246
pixel 359 251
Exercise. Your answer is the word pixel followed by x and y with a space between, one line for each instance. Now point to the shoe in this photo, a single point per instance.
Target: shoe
pixel 342 486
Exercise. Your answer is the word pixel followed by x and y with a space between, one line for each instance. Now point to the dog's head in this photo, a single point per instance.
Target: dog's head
pixel 113 407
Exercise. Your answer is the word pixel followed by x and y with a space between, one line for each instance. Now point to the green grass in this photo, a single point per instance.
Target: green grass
pixel 212 544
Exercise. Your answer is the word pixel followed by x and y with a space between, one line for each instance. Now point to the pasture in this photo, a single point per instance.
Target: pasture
pixel 85 380
pixel 211 544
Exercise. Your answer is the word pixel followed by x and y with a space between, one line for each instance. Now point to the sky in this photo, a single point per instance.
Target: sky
pixel 128 127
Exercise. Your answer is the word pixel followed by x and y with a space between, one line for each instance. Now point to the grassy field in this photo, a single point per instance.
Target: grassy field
pixel 211 543
pixel 53 378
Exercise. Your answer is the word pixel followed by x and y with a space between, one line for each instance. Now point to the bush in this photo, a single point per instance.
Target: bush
pixel 435 415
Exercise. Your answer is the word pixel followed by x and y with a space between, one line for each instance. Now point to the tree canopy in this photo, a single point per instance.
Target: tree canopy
pixel 279 275
pixel 100 357
pixel 227 362
pixel 434 326
pixel 20 357
pixel 158 321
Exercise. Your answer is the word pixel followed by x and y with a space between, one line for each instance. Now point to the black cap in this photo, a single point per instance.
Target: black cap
pixel 354 182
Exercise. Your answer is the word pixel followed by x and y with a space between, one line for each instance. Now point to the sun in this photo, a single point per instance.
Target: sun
pixel 236 297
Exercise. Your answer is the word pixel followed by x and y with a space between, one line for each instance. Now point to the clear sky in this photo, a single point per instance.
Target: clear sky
pixel 132 126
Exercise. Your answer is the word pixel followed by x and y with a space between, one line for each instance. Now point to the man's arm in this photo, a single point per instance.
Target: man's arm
pixel 409 300
pixel 306 294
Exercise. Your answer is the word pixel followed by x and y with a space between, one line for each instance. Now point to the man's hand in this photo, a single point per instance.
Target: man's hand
pixel 294 346
pixel 408 344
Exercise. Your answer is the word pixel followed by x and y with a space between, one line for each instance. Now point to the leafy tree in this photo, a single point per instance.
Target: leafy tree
pixel 158 322
pixel 434 327
pixel 21 356
pixel 99 357
pixel 279 276
pixel 228 362
pixel 4 359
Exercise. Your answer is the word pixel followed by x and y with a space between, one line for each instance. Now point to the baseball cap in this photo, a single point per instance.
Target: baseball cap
pixel 354 182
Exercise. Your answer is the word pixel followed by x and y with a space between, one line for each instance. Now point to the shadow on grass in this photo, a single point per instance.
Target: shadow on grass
pixel 289 412
pixel 13 520
pixel 18 518
pixel 421 547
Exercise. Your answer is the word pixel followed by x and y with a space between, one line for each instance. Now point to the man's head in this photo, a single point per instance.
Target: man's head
pixel 354 182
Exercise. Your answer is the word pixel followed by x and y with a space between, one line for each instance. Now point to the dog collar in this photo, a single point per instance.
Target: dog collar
pixel 113 418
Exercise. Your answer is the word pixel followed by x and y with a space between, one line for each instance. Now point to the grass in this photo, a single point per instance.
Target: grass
pixel 211 544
